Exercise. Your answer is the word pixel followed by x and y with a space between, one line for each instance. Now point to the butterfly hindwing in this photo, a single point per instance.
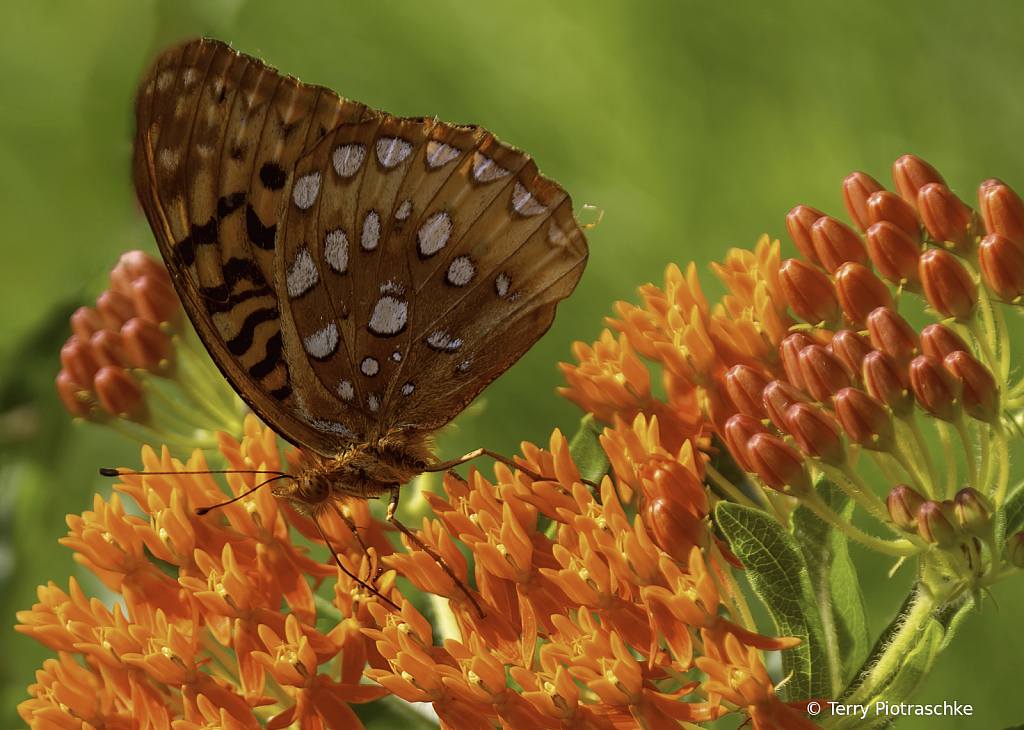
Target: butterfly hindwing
pixel 350 272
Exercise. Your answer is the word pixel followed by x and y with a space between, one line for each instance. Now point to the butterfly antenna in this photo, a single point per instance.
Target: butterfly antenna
pixel 349 573
pixel 203 510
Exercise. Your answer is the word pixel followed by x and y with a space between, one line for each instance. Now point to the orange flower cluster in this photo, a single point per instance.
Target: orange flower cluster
pixel 592 628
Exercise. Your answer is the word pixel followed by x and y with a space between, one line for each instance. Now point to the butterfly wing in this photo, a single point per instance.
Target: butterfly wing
pixel 350 272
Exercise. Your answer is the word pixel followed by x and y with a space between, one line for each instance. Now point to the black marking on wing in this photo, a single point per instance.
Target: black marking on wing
pixel 273 176
pixel 261 235
pixel 240 343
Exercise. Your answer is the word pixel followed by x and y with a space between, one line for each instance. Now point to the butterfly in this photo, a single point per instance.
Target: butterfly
pixel 358 278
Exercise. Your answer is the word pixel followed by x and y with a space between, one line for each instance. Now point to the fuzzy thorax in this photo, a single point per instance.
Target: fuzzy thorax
pixel 362 470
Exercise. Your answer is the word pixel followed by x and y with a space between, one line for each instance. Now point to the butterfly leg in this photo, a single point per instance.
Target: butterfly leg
pixel 392 506
pixel 345 570
pixel 511 463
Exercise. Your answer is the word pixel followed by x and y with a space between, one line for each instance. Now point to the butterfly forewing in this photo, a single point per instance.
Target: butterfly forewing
pixel 351 273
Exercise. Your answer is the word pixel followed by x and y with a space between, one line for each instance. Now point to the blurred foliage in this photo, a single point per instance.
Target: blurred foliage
pixel 669 116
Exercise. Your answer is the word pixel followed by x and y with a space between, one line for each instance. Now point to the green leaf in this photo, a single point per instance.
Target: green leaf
pixel 779 576
pixel 585 449
pixel 834 581
pixel 1013 509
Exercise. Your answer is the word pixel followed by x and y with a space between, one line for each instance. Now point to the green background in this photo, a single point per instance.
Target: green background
pixel 694 127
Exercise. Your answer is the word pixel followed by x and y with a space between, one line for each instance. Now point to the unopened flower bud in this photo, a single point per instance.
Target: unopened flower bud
pixel 857 188
pixel 823 372
pixel 864 419
pixel 1002 210
pixel 674 528
pixel 809 292
pixel 121 394
pixel 779 465
pixel 890 333
pixel 108 348
pixel 746 388
pixel 1002 266
pixel 935 523
pixel 114 308
pixel 85 322
pixel 946 217
pixel 947 285
pixel 888 383
pixel 779 397
pixel 936 390
pixel 69 390
pixel 979 393
pixel 1015 549
pixel 973 510
pixel 938 340
pixel 789 351
pixel 156 300
pixel 146 346
pixel 860 291
pixel 910 174
pixel 903 504
pixel 816 433
pixel 893 252
pixel 133 265
pixel 851 348
pixel 836 243
pixel 798 223
pixel 738 431
pixel 78 359
pixel 891 208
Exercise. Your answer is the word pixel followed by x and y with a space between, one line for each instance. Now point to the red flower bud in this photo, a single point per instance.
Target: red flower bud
pixel 893 252
pixel 738 431
pixel 667 479
pixel 857 188
pixel 887 382
pixel 935 523
pixel 789 351
pixel 904 503
pixel 911 174
pixel 809 292
pixel 108 348
pixel 860 291
pixel 979 391
pixel 938 340
pixel 1002 210
pixel 973 510
pixel 1002 266
pixel 798 223
pixel 121 394
pixel 133 265
pixel 836 243
pixel 115 309
pixel 816 433
pixel 675 529
pixel 890 207
pixel 86 322
pixel 851 348
pixel 947 285
pixel 779 397
pixel 156 300
pixel 778 464
pixel 824 373
pixel 68 391
pixel 146 346
pixel 864 419
pixel 890 333
pixel 79 360
pixel 946 217
pixel 746 388
pixel 936 390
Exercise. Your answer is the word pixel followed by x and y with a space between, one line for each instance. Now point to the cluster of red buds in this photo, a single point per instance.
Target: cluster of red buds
pixel 132 337
pixel 858 377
